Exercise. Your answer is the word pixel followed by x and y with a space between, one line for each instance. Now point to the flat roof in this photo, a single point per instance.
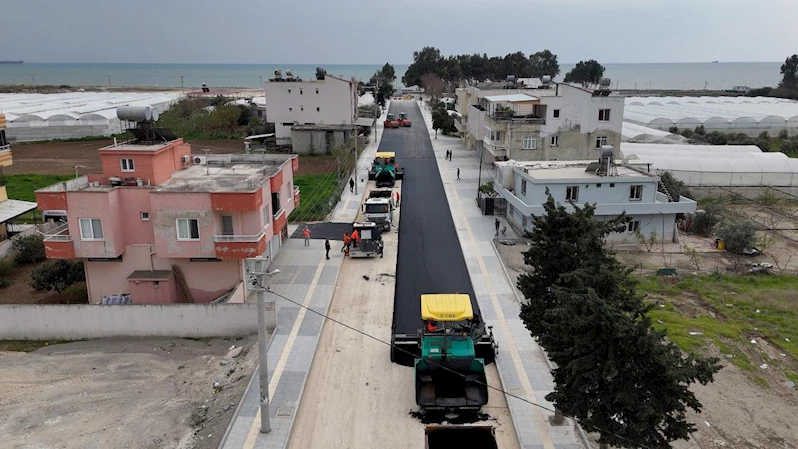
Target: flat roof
pixel 513 98
pixel 226 173
pixel 136 146
pixel 363 121
pixel 330 127
pixel 10 209
pixel 555 173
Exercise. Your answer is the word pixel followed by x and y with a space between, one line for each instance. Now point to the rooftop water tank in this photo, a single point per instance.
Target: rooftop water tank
pixel 134 113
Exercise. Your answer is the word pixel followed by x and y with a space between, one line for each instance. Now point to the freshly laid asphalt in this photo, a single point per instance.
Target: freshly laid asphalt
pixel 430 259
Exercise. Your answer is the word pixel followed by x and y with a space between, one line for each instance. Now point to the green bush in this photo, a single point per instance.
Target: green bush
pixel 57 276
pixel 29 249
pixel 6 268
pixel 737 235
pixel 784 135
pixel 704 222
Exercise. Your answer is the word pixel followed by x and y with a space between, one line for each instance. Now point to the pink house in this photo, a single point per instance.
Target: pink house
pixel 165 226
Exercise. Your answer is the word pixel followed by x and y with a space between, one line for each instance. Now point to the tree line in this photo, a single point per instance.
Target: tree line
pixel 788 87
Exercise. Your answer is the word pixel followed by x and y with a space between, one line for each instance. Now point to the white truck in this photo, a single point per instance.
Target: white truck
pixel 378 209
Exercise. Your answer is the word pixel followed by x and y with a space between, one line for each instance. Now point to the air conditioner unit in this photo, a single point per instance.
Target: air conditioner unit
pixel 200 160
pixel 185 159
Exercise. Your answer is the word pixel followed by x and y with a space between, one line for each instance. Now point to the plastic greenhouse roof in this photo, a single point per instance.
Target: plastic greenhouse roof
pixel 77 105
pixel 628 148
pixel 707 112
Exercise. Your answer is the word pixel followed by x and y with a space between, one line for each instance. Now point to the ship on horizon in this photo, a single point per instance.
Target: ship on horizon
pixel 11 62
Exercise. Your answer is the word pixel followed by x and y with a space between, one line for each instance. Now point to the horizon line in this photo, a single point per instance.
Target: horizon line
pixel 365 64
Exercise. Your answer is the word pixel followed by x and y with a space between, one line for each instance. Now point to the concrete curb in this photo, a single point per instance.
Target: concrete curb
pixel 579 429
pixel 241 401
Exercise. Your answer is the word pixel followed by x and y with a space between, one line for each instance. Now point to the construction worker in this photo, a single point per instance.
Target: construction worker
pixel 355 238
pixel 306 234
pixel 351 185
pixel 458 173
pixel 396 194
pixel 327 247
pixel 432 326
pixel 347 242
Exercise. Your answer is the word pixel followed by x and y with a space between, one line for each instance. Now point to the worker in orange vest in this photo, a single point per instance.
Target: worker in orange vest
pixel 347 242
pixel 306 234
pixel 355 238
pixel 432 326
pixel 396 194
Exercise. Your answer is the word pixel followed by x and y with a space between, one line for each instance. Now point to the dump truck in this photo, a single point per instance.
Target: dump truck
pixel 404 121
pixel 438 436
pixel 449 372
pixel 391 121
pixel 370 240
pixel 384 170
pixel 378 208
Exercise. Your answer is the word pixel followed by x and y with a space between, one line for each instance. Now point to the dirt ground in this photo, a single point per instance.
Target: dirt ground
pixel 20 292
pixel 350 366
pixel 737 412
pixel 123 393
pixel 60 158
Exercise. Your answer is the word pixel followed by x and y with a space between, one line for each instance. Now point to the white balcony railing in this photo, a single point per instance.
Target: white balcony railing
pixel 4 148
pixel 59 234
pixel 278 213
pixel 296 190
pixel 495 147
pixel 241 238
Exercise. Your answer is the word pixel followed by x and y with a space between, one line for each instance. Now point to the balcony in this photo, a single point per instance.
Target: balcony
pixel 505 118
pixel 280 220
pixel 241 246
pixel 461 123
pixel 58 243
pixel 496 147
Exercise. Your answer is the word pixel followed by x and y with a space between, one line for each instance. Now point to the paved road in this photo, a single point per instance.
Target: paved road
pixel 430 259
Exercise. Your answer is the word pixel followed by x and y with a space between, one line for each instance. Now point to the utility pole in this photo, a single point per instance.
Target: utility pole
pixel 33 78
pixel 479 178
pixel 256 270
pixel 109 80
pixel 182 87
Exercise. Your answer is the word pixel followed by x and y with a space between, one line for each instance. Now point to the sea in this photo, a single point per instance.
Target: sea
pixel 680 76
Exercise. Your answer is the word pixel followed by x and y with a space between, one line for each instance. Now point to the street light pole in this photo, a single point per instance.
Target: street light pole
pixel 263 369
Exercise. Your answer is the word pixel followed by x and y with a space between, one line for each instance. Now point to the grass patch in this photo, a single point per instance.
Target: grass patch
pixel 28 345
pixel 22 187
pixel 318 195
pixel 736 300
pixel 760 381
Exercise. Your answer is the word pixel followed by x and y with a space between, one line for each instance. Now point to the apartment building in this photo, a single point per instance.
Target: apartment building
pixel 312 115
pixel 165 226
pixel 552 121
pixel 613 189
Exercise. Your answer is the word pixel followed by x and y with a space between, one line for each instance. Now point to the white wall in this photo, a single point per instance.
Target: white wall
pixel 85 321
pixel 589 192
pixel 291 101
pixel 579 107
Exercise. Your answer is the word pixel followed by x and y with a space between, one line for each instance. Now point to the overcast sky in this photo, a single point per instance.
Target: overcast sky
pixel 375 31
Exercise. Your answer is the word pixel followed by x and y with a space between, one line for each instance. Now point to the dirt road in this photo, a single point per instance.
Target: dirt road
pixel 60 158
pixel 355 397
pixel 118 393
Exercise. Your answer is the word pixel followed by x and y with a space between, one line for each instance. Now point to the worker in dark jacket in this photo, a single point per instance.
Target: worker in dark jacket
pixel 327 248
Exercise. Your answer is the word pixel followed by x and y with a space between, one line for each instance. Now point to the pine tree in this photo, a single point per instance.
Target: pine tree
pixel 615 374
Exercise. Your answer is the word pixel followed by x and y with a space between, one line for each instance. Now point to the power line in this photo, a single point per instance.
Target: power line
pixel 377 339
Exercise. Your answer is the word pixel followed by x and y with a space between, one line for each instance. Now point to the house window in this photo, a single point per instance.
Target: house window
pixel 187 229
pixel 288 124
pixel 91 228
pixel 556 113
pixel 156 284
pixel 145 216
pixel 604 115
pixel 267 217
pixel 598 186
pixel 523 187
pixel 127 164
pixel 227 225
pixel 555 141
pixel 260 113
pixel 633 226
pixel 572 193
pixel 600 142
pixel 318 109
pixel 636 193
pixel 530 143
pixel 612 184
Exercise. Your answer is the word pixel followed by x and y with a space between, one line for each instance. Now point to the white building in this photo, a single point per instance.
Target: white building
pixel 293 101
pixel 622 189
pixel 551 122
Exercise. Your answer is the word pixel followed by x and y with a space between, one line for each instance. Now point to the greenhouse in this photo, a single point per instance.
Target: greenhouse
pixel 749 115
pixel 717 166
pixel 632 132
pixel 74 114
